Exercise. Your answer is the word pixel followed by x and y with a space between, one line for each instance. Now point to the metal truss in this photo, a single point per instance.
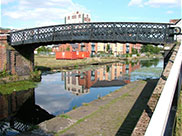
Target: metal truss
pixel 123 32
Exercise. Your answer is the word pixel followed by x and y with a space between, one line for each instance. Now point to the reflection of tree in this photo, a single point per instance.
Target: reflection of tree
pixel 149 63
pixel 107 68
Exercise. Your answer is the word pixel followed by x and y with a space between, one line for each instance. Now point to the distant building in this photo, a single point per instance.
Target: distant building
pixel 77 17
pixel 178 23
pixel 75 50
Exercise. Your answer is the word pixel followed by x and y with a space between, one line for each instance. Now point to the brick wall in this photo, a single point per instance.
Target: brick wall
pixel 2 57
pixel 18 60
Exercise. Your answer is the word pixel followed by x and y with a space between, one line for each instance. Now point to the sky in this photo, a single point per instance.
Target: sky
pixel 18 14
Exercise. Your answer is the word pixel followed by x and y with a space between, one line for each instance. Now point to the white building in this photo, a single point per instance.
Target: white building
pixel 178 23
pixel 77 17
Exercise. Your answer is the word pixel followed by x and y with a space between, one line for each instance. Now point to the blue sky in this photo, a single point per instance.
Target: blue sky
pixel 33 13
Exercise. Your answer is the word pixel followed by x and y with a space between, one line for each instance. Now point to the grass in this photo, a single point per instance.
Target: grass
pixel 8 88
pixel 65 116
pixel 74 107
pixel 85 104
pixel 178 129
pixel 50 62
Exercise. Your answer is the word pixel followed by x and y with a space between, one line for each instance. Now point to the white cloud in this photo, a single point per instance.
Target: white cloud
pixel 6 1
pixel 170 12
pixel 158 3
pixel 47 12
pixel 154 3
pixel 135 2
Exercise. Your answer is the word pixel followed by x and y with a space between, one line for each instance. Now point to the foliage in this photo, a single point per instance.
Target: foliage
pixel 8 88
pixel 35 75
pixel 74 107
pixel 44 49
pixel 3 73
pixel 150 48
pixel 108 48
pixel 68 48
pixel 107 68
pixel 149 63
pixel 134 51
pixel 65 116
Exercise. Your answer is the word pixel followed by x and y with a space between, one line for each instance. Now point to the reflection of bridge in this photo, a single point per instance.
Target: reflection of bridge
pixel 110 75
pixel 20 110
pixel 21 58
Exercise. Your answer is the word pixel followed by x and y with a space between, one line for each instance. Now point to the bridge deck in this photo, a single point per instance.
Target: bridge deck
pixel 156 33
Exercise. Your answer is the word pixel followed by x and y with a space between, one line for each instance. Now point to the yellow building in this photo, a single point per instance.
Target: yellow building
pixel 115 48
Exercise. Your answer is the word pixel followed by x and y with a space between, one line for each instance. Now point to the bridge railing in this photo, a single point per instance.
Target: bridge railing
pixel 161 118
pixel 156 33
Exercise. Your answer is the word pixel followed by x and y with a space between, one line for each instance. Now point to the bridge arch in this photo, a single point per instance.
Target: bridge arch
pixel 26 41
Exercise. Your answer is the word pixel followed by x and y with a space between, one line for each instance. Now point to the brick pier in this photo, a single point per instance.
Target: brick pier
pixel 15 60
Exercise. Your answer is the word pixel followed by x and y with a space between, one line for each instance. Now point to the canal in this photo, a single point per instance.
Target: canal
pixel 60 92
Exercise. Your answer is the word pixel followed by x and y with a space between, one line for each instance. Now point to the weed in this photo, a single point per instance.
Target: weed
pixel 99 97
pixel 8 88
pixel 85 104
pixel 65 116
pixel 74 107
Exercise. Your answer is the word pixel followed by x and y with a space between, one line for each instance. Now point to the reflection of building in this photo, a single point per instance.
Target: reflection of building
pixel 110 75
pixel 79 83
pixel 117 72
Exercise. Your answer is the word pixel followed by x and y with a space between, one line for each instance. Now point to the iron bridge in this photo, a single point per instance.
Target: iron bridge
pixel 123 32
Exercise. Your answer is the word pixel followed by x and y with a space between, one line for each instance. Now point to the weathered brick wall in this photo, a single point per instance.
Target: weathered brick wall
pixel 19 60
pixel 2 57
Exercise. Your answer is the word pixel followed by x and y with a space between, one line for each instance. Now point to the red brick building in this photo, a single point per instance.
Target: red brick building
pixel 75 51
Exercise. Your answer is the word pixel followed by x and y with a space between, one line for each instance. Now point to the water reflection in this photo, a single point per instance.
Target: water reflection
pixel 59 92
pixel 79 82
pixel 18 110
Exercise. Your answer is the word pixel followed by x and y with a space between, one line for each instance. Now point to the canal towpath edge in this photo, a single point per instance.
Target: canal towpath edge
pixel 114 114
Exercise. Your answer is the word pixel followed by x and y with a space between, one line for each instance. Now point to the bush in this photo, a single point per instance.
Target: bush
pixel 35 76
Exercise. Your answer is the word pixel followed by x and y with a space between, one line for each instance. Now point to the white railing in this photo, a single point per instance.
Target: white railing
pixel 160 116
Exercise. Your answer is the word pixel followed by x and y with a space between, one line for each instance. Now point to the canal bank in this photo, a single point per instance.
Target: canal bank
pixel 49 63
pixel 114 114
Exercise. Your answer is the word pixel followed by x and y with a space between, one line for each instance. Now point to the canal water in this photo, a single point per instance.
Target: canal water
pixel 60 92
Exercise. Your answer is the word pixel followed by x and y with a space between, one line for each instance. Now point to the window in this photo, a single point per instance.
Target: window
pixel 79 16
pixel 68 17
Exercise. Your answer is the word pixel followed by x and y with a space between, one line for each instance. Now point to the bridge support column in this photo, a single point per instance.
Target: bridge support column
pixel 22 60
pixel 18 60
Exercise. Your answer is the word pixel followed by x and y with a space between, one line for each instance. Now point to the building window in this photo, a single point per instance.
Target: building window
pixel 68 17
pixel 79 16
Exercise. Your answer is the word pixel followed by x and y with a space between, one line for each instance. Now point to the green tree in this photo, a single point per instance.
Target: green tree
pixel 68 48
pixel 108 48
pixel 150 48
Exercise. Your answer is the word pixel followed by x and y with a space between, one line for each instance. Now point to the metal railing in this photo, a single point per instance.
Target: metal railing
pixel 133 32
pixel 159 123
